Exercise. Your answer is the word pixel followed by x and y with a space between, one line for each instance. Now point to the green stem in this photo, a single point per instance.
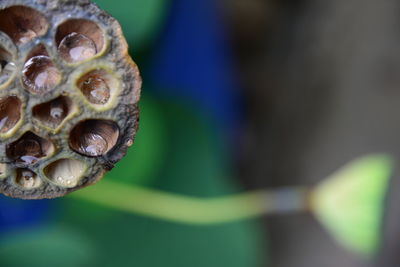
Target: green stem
pixel 193 210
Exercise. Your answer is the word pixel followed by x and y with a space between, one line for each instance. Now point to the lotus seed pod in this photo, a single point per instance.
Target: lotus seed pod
pixel 69 96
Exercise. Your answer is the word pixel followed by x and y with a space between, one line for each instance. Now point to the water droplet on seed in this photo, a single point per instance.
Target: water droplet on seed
pixel 64 181
pixel 96 90
pixel 93 144
pixel 40 74
pixel 76 47
pixel 94 137
pixel 3 122
pixel 6 71
pixel 9 113
pixel 56 112
pixel 28 159
pixel 26 36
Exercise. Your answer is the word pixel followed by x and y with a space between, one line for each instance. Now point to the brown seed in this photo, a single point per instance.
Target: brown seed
pixel 22 23
pixel 40 75
pixel 29 149
pixel 94 137
pixel 76 47
pixel 96 90
pixel 10 113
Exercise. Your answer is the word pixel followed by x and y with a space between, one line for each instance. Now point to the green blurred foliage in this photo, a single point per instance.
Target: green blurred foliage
pixel 140 20
pixel 47 246
pixel 143 161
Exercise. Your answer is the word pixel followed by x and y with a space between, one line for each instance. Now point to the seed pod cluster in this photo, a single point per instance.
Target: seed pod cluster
pixel 69 96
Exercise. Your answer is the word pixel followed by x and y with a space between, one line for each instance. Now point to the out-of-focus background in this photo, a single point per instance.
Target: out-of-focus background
pixel 237 95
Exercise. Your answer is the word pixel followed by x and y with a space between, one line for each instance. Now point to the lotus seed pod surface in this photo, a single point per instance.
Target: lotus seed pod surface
pixel 69 96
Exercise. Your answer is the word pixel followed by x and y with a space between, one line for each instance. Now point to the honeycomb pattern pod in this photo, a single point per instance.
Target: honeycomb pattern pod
pixel 69 96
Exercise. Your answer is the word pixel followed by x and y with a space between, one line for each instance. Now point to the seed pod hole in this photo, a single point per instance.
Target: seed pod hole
pixel 27 179
pixel 79 39
pixel 29 149
pixel 22 23
pixel 39 74
pixel 97 86
pixel 94 137
pixel 65 172
pixel 7 67
pixel 53 113
pixel 10 113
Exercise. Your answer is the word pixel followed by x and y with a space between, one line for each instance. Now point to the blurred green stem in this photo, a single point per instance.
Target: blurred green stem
pixel 194 210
